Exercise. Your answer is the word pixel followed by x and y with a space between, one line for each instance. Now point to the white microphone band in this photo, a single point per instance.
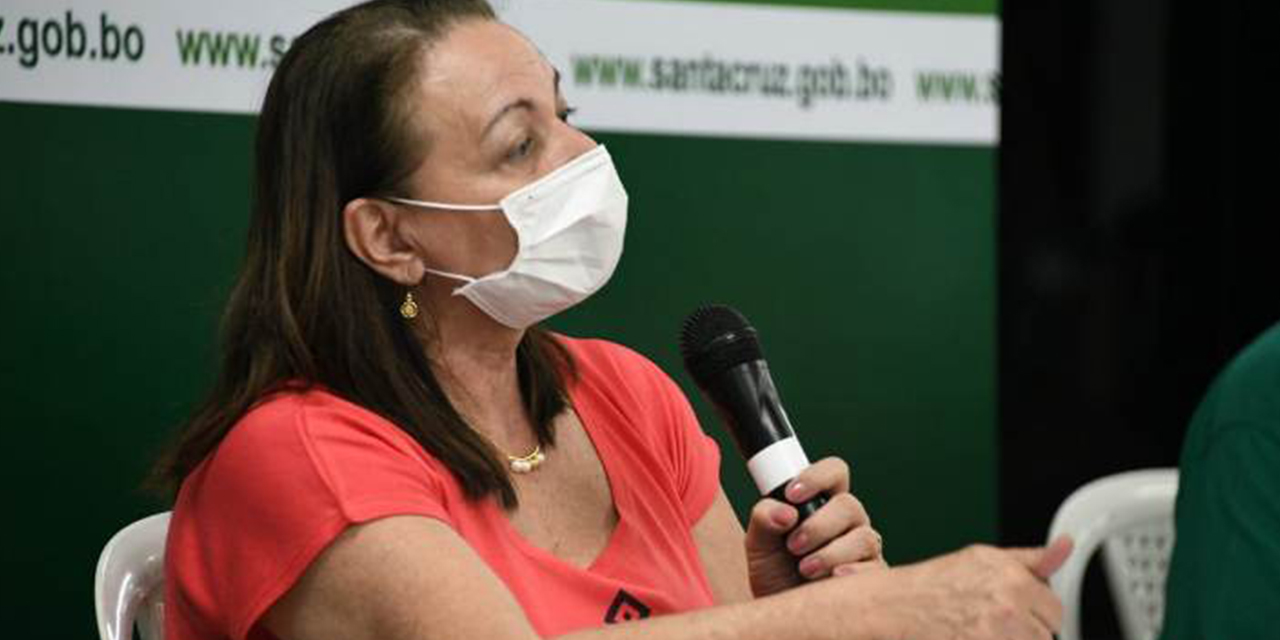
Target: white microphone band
pixel 776 464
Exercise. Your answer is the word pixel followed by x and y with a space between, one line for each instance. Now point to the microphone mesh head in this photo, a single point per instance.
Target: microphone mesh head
pixel 716 338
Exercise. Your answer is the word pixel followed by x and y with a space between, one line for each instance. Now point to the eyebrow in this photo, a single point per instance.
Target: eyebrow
pixel 522 103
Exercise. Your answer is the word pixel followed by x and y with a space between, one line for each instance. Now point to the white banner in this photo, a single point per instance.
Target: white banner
pixel 646 67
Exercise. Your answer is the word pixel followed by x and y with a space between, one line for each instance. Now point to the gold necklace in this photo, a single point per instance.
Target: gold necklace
pixel 528 463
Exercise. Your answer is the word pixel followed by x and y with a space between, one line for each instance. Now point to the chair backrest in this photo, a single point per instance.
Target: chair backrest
pixel 1130 516
pixel 129 584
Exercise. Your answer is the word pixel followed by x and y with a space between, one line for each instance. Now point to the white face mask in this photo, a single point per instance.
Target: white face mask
pixel 569 228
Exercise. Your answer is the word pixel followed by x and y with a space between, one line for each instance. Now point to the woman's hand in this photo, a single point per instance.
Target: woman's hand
pixel 977 593
pixel 837 540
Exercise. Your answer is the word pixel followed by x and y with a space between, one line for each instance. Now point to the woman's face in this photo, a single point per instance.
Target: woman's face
pixel 490 108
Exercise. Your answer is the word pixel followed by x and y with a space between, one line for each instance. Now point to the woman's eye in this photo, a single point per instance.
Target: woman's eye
pixel 521 150
pixel 566 112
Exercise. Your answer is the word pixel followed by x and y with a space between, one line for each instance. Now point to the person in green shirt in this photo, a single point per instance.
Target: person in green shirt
pixel 1224 577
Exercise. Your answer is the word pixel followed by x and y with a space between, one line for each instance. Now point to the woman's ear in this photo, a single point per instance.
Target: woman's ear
pixel 372 232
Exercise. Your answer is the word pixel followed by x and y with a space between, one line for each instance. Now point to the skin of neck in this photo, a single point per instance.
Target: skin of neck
pixel 474 358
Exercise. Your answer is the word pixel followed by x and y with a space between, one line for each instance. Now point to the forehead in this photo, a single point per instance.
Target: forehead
pixel 476 69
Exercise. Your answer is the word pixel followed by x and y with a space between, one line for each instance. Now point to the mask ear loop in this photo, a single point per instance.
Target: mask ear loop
pixel 453 276
pixel 427 204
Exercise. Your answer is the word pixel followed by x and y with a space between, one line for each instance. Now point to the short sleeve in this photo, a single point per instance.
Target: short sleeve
pixel 1224 578
pixel 695 456
pixel 289 477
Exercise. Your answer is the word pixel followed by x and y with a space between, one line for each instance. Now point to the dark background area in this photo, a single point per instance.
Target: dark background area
pixel 1137 236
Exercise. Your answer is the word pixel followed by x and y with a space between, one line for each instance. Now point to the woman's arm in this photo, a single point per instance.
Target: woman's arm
pixel 414 578
pixel 719 537
pixel 398 578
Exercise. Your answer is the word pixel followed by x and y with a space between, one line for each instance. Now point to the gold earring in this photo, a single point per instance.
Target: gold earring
pixel 409 308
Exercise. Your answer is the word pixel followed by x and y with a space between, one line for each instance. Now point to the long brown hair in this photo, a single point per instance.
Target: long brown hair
pixel 305 311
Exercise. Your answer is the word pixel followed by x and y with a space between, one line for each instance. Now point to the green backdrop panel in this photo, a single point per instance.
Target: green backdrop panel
pixel 123 229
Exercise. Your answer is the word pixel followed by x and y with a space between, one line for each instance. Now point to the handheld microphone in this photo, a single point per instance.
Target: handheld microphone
pixel 722 352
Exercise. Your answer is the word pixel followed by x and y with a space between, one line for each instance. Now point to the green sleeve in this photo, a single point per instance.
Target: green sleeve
pixel 1224 579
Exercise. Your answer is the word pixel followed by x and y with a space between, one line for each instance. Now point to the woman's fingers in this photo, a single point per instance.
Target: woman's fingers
pixel 770 566
pixel 1038 611
pixel 781 554
pixel 1055 555
pixel 1024 600
pixel 842 513
pixel 828 475
pixel 861 545
pixel 840 532
pixel 1046 607
pixel 855 568
pixel 1044 561
pixel 767 526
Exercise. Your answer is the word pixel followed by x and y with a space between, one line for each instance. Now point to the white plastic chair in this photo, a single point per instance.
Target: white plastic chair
pixel 1130 515
pixel 129 584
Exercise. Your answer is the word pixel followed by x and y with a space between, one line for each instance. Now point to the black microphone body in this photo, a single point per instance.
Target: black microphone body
pixel 723 355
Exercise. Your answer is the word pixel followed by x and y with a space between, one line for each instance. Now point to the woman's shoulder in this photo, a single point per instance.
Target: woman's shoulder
pixel 297 469
pixel 323 456
pixel 623 376
pixel 307 413
pixel 308 431
pixel 599 354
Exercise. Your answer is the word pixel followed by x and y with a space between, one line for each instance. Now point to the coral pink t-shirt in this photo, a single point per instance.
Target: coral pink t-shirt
pixel 300 467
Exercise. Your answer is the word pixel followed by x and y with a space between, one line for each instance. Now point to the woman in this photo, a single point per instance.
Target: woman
pixel 395 450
